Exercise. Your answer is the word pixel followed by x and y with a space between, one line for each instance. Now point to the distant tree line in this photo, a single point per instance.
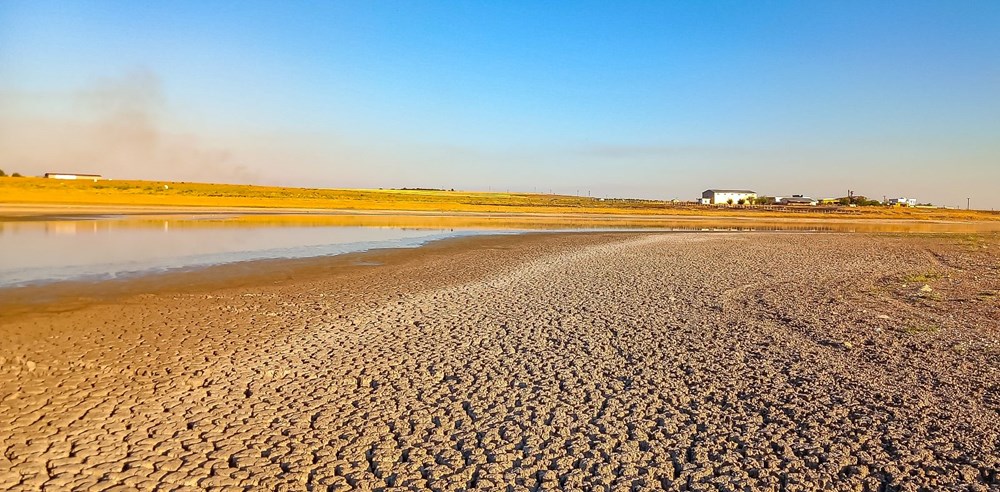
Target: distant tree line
pixel 859 200
pixel 4 175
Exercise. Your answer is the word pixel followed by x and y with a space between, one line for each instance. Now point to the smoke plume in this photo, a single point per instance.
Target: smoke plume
pixel 115 128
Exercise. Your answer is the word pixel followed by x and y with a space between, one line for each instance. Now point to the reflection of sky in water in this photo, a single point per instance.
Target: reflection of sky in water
pixel 61 250
pixel 112 246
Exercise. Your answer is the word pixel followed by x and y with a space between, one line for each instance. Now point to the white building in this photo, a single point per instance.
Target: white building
pixel 93 177
pixel 718 197
pixel 72 176
pixel 903 202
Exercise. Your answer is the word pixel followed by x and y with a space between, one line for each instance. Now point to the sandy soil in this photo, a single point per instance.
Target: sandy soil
pixel 577 362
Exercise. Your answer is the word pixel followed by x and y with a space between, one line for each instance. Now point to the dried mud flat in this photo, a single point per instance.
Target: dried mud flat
pixel 573 362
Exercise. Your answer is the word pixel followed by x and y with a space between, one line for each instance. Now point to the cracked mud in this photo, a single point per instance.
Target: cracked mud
pixel 570 362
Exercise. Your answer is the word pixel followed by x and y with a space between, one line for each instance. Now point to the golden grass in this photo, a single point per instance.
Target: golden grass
pixel 40 191
pixel 922 278
pixel 917 329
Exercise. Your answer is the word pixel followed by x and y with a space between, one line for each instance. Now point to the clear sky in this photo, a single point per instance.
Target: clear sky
pixel 645 99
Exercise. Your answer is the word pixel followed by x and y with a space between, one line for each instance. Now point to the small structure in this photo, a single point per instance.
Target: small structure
pixel 93 177
pixel 903 202
pixel 796 200
pixel 717 197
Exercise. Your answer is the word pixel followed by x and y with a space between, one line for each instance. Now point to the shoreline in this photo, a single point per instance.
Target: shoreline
pixel 34 212
pixel 71 295
pixel 61 296
pixel 590 361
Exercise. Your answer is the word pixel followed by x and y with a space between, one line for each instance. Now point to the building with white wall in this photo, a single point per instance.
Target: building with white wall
pixel 719 197
pixel 903 202
pixel 93 177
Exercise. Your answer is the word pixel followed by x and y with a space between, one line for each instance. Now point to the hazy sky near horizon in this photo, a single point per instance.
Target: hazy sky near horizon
pixel 642 99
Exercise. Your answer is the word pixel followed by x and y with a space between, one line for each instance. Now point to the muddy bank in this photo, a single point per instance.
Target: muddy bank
pixel 577 362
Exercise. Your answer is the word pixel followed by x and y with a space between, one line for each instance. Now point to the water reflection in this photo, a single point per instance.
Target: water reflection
pixel 35 252
pixel 109 246
pixel 505 222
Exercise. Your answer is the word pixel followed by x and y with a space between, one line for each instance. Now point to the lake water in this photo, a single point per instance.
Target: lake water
pixel 37 252
pixel 106 247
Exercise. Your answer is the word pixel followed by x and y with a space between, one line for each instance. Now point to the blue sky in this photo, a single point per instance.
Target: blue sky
pixel 650 99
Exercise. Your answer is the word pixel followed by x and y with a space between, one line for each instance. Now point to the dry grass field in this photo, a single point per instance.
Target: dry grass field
pixel 113 194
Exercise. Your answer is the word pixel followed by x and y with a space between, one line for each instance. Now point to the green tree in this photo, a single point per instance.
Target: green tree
pixel 729 201
pixel 2 174
pixel 16 175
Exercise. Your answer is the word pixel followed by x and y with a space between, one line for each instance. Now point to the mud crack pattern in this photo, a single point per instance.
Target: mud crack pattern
pixel 624 362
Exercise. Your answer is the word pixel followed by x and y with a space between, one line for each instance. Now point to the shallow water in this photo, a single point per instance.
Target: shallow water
pixel 39 252
pixel 104 247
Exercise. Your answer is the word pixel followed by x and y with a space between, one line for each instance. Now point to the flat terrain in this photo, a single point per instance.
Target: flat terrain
pixel 117 196
pixel 773 361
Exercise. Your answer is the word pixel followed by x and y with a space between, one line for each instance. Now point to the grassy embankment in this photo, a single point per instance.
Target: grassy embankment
pixel 123 194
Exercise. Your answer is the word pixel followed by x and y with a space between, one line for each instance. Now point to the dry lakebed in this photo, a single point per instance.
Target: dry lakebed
pixel 596 361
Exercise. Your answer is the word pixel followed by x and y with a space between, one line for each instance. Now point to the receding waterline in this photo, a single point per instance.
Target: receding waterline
pixel 108 247
pixel 39 253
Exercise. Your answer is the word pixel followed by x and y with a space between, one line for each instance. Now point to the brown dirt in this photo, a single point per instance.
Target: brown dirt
pixel 578 362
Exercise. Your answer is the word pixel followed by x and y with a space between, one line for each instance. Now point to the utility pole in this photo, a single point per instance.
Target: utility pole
pixel 968 203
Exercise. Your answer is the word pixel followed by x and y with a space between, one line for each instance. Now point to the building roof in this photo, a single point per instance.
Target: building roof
pixel 729 191
pixel 76 174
